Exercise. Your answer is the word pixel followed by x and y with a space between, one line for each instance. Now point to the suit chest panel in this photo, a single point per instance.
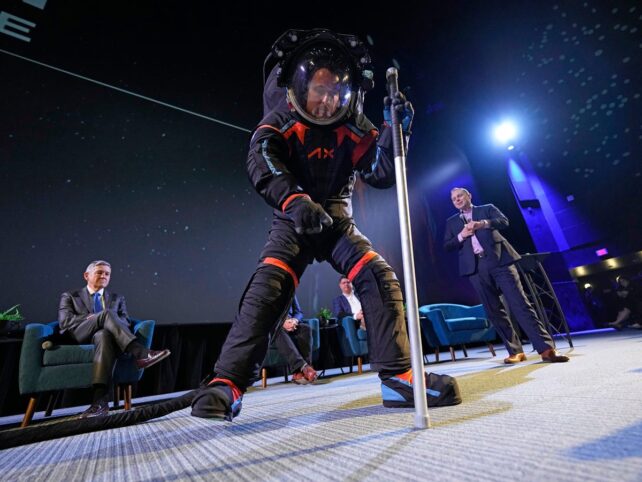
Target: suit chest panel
pixel 320 162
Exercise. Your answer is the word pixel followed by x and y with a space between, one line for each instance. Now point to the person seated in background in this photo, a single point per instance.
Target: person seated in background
pixel 94 315
pixel 292 340
pixel 347 304
pixel 629 302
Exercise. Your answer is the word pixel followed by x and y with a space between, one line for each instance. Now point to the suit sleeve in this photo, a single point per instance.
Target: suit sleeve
pixel 295 310
pixel 67 315
pixel 267 164
pixel 337 310
pixel 451 240
pixel 375 160
pixel 496 218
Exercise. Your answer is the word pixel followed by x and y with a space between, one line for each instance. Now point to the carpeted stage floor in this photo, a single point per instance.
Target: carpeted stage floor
pixel 533 421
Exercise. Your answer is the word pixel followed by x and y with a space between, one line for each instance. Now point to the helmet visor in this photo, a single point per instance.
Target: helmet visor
pixel 320 86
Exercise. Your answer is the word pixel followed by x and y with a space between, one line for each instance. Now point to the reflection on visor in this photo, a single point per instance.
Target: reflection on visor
pixel 320 87
pixel 324 94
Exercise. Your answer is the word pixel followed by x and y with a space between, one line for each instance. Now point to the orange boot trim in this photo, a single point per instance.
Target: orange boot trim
pixel 236 391
pixel 405 376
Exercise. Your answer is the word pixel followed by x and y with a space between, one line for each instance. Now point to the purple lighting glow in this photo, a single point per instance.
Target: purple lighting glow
pixel 602 252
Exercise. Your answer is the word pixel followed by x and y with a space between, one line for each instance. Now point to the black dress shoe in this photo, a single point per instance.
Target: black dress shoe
pixel 96 409
pixel 153 357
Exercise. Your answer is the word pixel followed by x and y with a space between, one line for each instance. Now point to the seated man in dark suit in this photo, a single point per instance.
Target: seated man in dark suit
pixel 487 259
pixel 347 304
pixel 95 315
pixel 292 340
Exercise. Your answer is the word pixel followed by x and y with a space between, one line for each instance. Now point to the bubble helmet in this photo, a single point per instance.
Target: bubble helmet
pixel 325 73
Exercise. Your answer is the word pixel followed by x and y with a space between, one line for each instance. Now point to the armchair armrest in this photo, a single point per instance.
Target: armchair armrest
pixel 438 321
pixel 477 311
pixel 31 356
pixel 313 323
pixel 144 331
pixel 350 343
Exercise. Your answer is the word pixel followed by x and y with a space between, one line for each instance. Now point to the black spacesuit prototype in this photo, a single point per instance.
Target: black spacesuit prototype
pixel 304 163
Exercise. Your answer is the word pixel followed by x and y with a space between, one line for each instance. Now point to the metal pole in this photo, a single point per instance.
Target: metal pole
pixel 422 419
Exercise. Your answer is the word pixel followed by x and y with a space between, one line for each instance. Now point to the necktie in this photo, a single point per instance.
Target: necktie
pixel 98 306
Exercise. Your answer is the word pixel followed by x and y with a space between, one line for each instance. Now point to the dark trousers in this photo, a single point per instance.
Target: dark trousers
pixel 490 281
pixel 110 335
pixel 271 288
pixel 294 346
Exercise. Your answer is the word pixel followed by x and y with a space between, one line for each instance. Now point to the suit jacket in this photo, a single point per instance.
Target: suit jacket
pixel 341 307
pixel 496 247
pixel 76 306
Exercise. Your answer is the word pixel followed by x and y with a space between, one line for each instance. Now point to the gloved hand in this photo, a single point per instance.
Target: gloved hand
pixel 404 110
pixel 309 217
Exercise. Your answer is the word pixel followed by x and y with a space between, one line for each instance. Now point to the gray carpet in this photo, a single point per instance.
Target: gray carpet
pixel 533 421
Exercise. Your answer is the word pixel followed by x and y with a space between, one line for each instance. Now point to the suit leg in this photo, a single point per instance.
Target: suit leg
pixel 105 320
pixel 489 295
pixel 104 357
pixel 263 304
pixel 378 289
pixel 288 348
pixel 507 279
pixel 118 328
pixel 302 337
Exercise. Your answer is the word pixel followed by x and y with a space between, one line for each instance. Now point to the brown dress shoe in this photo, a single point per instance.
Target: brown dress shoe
pixel 152 358
pixel 515 358
pixel 551 356
pixel 306 375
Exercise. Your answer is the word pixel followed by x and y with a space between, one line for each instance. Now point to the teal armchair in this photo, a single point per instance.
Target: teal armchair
pixel 274 359
pixel 458 325
pixel 353 341
pixel 70 366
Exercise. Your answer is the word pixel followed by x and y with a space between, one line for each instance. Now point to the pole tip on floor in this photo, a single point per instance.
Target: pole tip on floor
pixel 422 421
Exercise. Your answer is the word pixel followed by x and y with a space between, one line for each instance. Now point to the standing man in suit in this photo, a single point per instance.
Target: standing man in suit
pixel 487 259
pixel 347 303
pixel 95 315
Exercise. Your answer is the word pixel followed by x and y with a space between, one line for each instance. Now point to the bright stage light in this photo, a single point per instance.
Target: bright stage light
pixel 505 132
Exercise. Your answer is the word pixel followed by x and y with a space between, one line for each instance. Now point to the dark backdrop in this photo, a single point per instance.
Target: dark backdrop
pixel 92 172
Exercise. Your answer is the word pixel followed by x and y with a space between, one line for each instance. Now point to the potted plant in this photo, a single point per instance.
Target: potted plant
pixel 324 316
pixel 10 318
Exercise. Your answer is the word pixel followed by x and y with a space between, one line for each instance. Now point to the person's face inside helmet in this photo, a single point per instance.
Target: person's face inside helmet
pixel 323 94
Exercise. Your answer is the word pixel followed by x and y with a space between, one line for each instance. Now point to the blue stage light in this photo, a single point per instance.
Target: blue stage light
pixel 505 132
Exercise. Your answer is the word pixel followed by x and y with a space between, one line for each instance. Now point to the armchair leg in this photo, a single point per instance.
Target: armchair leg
pixel 116 397
pixel 31 408
pixel 491 348
pixel 263 377
pixel 436 355
pixel 351 363
pixel 452 353
pixel 359 365
pixel 463 348
pixel 51 403
pixel 128 397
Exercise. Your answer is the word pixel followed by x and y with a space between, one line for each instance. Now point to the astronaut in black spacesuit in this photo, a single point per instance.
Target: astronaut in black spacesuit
pixel 304 162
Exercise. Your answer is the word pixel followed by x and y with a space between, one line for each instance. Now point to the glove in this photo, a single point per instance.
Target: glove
pixel 309 217
pixel 404 111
